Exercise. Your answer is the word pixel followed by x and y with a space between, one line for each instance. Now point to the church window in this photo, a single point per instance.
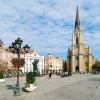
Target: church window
pixel 77 40
pixel 86 63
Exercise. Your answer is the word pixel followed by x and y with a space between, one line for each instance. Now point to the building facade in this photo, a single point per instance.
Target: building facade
pixel 6 56
pixel 29 59
pixel 52 63
pixel 79 58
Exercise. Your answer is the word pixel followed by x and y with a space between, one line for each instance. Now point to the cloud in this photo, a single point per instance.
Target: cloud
pixel 47 25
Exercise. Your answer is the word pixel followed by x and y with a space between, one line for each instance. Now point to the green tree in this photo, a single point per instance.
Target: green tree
pixel 96 66
pixel 1 76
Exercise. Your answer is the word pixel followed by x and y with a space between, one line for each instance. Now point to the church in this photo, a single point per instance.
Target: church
pixel 79 58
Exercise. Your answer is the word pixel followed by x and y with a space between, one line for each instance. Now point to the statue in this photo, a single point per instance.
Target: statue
pixel 35 69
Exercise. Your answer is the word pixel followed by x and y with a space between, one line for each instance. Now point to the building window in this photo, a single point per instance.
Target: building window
pixel 50 66
pixel 77 40
pixel 50 62
pixel 34 54
pixel 41 66
pixel 86 63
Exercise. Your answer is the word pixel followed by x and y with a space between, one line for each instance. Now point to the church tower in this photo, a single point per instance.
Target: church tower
pixel 79 58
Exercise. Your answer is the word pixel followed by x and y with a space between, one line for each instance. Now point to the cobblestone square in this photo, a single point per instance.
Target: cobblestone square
pixel 75 87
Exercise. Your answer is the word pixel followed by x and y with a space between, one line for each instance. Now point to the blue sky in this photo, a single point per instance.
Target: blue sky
pixel 47 25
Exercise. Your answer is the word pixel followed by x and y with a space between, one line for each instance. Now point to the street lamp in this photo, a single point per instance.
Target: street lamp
pixel 15 49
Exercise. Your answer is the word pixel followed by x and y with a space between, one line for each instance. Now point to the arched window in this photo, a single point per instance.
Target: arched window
pixel 76 39
pixel 86 64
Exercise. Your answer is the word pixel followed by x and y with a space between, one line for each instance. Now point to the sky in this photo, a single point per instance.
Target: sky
pixel 47 25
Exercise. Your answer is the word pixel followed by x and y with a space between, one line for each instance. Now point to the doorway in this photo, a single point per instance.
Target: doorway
pixel 77 69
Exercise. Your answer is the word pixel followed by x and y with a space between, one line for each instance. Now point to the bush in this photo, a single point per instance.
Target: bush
pixel 1 76
pixel 30 78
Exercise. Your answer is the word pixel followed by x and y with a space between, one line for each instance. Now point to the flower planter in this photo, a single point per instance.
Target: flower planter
pixel 18 62
pixel 31 88
pixel 2 80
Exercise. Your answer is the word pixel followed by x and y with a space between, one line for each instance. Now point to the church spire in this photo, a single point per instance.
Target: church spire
pixel 77 21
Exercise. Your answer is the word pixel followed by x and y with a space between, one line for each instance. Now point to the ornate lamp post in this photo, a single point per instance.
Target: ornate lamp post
pixel 15 49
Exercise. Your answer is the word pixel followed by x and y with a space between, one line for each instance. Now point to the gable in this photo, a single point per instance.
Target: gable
pixel 33 54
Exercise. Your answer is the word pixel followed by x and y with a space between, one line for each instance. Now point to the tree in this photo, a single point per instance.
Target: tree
pixel 96 66
pixel 3 65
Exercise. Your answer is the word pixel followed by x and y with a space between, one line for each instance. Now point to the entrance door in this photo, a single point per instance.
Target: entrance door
pixel 77 69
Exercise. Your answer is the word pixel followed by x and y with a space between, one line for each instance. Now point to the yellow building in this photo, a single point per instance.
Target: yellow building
pixel 52 63
pixel 79 58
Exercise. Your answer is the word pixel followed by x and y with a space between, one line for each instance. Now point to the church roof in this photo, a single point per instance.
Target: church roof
pixel 77 20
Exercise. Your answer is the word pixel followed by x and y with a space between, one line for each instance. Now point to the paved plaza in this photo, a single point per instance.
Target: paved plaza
pixel 75 87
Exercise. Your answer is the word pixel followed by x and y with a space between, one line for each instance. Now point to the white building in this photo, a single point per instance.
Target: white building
pixel 29 59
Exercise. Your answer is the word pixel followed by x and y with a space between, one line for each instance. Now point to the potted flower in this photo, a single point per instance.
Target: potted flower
pixel 18 62
pixel 30 84
pixel 2 80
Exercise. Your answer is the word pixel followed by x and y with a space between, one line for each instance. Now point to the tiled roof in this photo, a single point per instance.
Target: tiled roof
pixel 30 51
pixel 21 51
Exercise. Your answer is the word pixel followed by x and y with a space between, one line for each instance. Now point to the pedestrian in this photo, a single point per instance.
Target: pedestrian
pixel 50 74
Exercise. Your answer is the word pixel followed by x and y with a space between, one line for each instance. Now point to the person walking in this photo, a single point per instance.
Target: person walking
pixel 50 74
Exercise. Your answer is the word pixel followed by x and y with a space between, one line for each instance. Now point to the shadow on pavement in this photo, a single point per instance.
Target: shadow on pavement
pixel 23 89
pixel 10 87
pixel 95 79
